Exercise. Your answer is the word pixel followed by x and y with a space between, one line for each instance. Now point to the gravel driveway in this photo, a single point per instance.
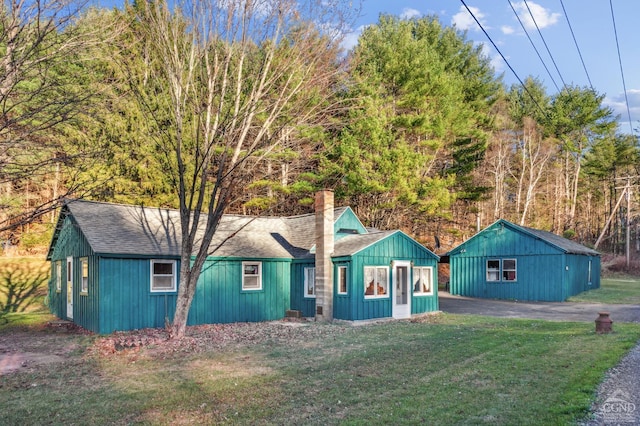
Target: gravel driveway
pixel 618 396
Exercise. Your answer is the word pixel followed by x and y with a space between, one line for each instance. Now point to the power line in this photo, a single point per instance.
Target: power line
pixel 544 114
pixel 624 85
pixel 545 43
pixel 533 45
pixel 576 43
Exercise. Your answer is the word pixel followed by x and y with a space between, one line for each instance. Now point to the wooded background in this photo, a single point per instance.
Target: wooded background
pixel 413 128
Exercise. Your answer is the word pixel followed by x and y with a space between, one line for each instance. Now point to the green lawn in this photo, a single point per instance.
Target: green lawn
pixel 622 290
pixel 445 369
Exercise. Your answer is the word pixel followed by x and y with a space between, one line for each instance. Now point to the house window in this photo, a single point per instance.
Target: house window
pixel 423 280
pixel 342 280
pixel 504 270
pixel 84 284
pixel 252 275
pixel 509 270
pixel 163 275
pixel 493 270
pixel 58 276
pixel 310 282
pixel 376 281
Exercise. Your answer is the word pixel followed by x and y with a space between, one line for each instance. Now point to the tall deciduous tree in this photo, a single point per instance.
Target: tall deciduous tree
pixel 39 95
pixel 226 82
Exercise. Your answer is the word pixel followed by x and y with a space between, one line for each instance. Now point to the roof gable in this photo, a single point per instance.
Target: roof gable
pixel 555 241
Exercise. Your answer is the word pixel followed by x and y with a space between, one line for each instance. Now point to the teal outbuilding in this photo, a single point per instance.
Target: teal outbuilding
pixel 508 261
pixel 115 267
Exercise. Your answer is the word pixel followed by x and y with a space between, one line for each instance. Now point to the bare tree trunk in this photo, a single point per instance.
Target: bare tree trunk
pixel 226 91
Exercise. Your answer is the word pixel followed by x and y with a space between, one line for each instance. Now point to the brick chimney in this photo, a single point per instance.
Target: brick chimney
pixel 324 249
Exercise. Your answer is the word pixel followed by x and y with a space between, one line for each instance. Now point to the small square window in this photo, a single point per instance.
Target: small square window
pixel 251 275
pixel 423 280
pixel 342 280
pixel 310 282
pixel 163 275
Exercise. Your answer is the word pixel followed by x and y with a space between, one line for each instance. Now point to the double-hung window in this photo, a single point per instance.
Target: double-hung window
pixel 163 275
pixel 376 281
pixel 504 270
pixel 251 275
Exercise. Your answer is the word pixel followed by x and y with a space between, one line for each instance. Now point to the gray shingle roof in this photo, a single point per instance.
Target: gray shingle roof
pixel 118 229
pixel 561 242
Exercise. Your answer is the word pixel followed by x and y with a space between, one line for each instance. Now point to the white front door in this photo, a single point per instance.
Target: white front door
pixel 401 290
pixel 70 287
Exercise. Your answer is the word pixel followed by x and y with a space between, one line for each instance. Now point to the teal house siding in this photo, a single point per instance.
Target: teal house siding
pixel 306 305
pixel 395 246
pixel 119 243
pixel 548 267
pixel 219 296
pixel 126 295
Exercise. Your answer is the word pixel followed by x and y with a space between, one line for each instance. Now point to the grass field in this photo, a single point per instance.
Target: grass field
pixel 620 290
pixel 444 369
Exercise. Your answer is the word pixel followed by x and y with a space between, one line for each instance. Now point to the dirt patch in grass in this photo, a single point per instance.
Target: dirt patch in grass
pixel 31 348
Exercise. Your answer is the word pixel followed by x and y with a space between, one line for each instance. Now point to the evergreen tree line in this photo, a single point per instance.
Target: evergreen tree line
pixel 412 128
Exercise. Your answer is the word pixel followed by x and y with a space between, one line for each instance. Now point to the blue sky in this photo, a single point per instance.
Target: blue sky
pixel 592 24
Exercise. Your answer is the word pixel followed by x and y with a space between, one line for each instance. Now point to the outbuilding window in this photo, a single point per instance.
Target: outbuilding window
pixel 163 275
pixel 310 282
pixel 251 275
pixel 502 270
pixel 423 280
pixel 376 281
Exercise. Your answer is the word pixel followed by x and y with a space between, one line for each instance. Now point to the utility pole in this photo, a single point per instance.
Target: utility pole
pixel 628 224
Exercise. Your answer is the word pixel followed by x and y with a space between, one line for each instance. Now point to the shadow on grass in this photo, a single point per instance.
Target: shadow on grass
pixel 21 288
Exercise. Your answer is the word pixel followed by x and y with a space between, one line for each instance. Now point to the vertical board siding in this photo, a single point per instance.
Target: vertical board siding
pixel 127 297
pixel 219 296
pixel 344 305
pixel 348 220
pixel 306 305
pixel 396 247
pixel 544 272
pixel 71 242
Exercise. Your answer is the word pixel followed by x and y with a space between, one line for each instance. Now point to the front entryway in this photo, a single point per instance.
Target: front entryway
pixel 401 290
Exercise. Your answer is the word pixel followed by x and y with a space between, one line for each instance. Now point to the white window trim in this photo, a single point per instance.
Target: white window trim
pixel 346 279
pixel 306 283
pixel 84 281
pixel 58 276
pixel 501 270
pixel 173 275
pixel 429 272
pixel 375 289
pixel 259 275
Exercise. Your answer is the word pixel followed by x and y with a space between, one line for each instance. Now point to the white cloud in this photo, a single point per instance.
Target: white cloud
pixel 464 21
pixel 506 29
pixel 618 104
pixel 408 13
pixel 543 17
pixel 350 39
